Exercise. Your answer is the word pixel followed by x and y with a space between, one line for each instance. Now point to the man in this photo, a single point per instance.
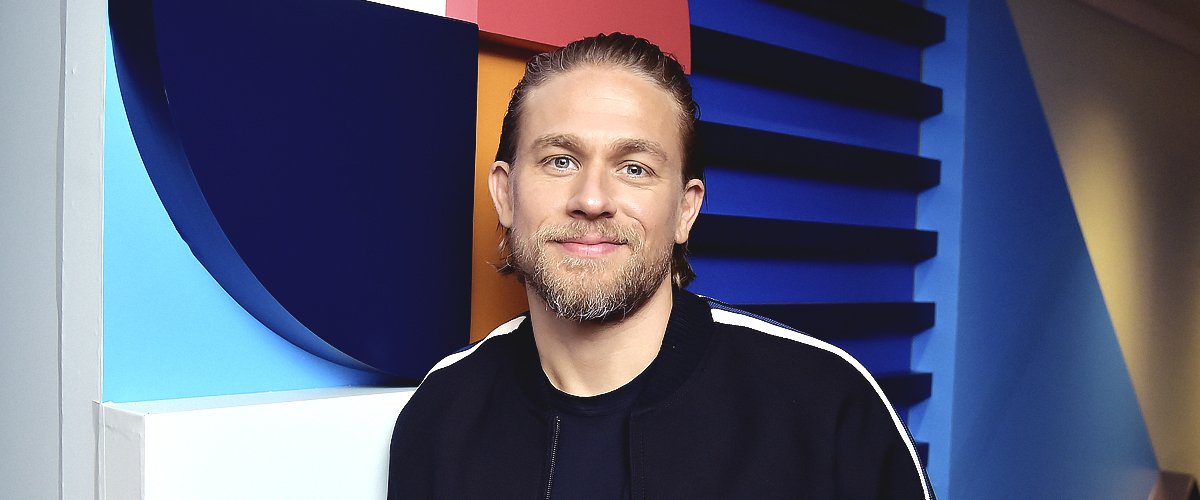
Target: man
pixel 618 383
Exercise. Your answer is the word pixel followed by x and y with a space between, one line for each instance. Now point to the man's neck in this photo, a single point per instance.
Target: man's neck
pixel 588 358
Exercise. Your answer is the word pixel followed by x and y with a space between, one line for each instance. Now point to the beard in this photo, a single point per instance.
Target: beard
pixel 590 289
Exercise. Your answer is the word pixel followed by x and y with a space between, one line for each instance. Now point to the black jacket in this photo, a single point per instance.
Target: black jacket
pixel 733 407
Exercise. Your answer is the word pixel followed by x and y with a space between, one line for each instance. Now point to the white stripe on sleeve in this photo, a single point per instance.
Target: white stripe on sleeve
pixel 504 329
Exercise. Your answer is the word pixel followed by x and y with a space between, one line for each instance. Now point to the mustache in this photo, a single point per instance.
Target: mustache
pixel 576 228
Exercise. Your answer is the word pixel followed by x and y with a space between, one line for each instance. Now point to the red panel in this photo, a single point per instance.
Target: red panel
pixel 557 22
pixel 465 10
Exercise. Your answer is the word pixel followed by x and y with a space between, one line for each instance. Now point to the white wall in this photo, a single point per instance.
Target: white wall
pixel 30 54
pixel 51 73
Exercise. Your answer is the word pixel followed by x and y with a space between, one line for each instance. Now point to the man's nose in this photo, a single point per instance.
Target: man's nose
pixel 591 195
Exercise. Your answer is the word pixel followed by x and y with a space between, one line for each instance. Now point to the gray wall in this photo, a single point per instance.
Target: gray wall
pixel 30 53
pixel 51 145
pixel 1123 106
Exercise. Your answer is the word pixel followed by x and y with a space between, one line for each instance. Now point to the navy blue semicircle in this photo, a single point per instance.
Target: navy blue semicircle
pixel 317 157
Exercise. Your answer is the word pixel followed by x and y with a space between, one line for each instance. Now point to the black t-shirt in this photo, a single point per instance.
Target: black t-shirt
pixel 592 458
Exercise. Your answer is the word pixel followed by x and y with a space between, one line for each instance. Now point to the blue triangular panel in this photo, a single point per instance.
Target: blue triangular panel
pixel 1043 403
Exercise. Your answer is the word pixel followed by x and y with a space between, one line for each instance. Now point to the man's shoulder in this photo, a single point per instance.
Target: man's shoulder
pixel 460 382
pixel 764 338
pixel 765 351
pixel 478 358
pixel 779 359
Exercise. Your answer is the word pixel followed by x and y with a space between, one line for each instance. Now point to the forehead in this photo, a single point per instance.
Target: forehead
pixel 604 104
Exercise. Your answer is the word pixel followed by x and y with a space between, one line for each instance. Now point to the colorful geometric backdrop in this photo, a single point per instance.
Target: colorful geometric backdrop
pixel 288 190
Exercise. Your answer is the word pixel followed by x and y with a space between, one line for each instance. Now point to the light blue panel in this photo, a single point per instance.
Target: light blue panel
pixel 736 103
pixel 781 281
pixel 170 331
pixel 777 24
pixel 756 194
pixel 1043 404
pixel 940 209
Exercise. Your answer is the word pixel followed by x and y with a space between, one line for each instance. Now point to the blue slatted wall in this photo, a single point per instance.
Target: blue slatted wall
pixel 811 117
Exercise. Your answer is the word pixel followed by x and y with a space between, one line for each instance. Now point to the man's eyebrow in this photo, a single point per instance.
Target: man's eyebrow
pixel 564 141
pixel 626 146
pixel 620 146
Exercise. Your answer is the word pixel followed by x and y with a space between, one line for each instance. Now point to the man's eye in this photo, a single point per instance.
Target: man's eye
pixel 635 170
pixel 560 162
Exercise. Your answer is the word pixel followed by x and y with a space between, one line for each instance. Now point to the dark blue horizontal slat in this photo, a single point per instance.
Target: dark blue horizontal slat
pixel 754 237
pixel 830 321
pixel 923 452
pixel 752 280
pixel 896 20
pixel 752 149
pixel 906 389
pixel 740 58
pixel 781 24
pixel 755 193
pixel 747 104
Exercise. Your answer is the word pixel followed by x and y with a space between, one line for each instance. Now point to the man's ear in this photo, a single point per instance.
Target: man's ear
pixel 501 188
pixel 689 209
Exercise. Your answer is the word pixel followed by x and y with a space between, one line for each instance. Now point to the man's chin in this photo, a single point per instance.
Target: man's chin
pixel 578 310
pixel 593 288
pixel 595 264
pixel 586 284
pixel 606 269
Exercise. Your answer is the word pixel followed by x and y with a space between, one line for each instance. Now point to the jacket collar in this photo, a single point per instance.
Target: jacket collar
pixel 689 331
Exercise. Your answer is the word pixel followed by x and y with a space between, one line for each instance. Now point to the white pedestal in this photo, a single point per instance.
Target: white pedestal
pixel 318 443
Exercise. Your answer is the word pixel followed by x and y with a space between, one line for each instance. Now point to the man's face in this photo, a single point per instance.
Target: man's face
pixel 596 200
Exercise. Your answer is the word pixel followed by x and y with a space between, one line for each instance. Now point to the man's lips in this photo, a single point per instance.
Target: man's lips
pixel 589 246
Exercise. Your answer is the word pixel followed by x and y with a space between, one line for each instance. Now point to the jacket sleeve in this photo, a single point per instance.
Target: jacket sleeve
pixel 410 464
pixel 876 456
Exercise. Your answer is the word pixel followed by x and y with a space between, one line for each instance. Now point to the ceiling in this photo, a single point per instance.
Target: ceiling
pixel 1175 21
pixel 1187 11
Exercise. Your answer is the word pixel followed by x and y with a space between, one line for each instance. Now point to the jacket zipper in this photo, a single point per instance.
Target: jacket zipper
pixel 553 455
